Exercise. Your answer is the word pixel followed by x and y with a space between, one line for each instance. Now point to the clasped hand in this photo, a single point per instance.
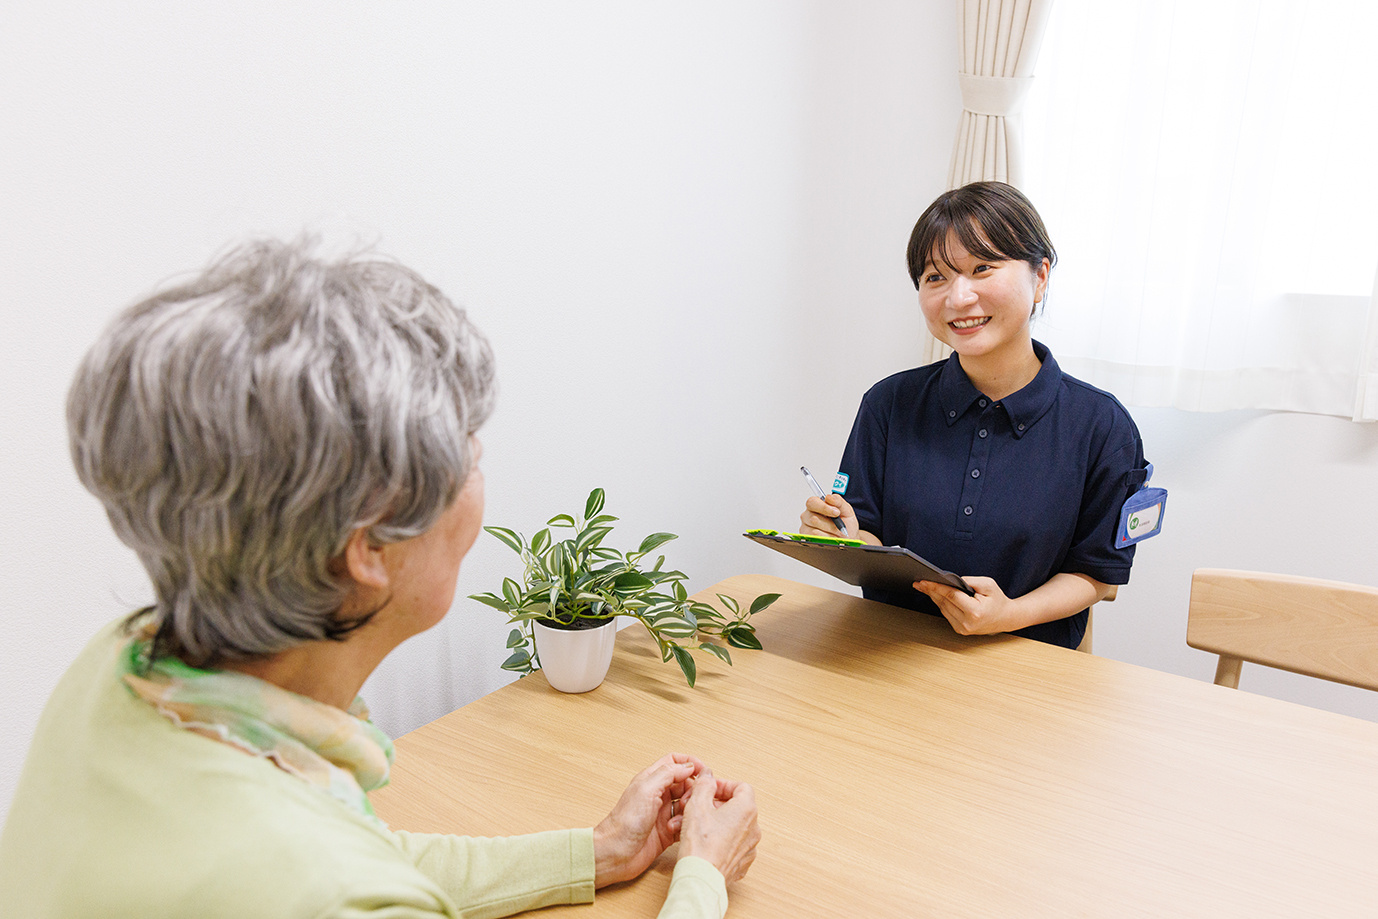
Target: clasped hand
pixel 677 798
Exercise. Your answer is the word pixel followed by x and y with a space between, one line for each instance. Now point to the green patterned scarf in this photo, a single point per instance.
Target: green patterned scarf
pixel 341 753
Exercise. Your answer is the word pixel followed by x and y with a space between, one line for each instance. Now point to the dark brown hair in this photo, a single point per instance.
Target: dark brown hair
pixel 991 220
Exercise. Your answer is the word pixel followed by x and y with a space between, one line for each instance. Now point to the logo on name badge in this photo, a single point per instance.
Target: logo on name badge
pixel 1144 520
pixel 840 483
pixel 1141 516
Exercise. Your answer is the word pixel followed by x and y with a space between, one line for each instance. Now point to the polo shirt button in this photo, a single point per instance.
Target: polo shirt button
pixel 975 473
pixel 967 510
pixel 982 432
pixel 982 403
pixel 952 414
pixel 1021 427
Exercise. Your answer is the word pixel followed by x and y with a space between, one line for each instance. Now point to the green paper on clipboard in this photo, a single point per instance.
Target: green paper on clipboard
pixel 851 560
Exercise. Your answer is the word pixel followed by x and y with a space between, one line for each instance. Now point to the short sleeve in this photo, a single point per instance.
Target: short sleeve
pixel 1115 474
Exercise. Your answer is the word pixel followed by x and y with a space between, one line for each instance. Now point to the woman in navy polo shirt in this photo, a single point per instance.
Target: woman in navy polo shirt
pixel 993 463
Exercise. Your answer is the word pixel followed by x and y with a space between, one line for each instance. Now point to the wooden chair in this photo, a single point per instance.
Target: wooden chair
pixel 1325 629
pixel 1091 618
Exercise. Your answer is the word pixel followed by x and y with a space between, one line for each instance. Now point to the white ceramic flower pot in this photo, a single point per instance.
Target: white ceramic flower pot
pixel 575 661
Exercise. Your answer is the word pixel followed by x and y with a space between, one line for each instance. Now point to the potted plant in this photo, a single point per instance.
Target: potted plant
pixel 578 584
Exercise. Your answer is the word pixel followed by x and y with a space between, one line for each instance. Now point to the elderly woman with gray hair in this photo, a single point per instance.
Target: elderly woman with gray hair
pixel 288 444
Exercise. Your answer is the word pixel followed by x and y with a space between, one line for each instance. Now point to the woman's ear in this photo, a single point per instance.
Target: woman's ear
pixel 363 561
pixel 1041 281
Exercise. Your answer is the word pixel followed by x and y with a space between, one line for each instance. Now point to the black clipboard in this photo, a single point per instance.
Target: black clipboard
pixel 870 567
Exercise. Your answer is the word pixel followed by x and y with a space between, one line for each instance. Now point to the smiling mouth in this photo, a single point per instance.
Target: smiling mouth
pixel 964 324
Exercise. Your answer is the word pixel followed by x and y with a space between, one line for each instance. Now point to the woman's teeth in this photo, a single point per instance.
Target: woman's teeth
pixel 970 323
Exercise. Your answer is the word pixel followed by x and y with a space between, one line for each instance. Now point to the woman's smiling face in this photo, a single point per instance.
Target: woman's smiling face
pixel 980 307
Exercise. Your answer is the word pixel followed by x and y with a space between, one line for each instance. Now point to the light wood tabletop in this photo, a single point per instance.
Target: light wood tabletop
pixel 903 770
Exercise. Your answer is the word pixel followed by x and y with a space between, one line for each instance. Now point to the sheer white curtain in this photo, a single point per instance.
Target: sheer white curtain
pixel 999 41
pixel 1207 171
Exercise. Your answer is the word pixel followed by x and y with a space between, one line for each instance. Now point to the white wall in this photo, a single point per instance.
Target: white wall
pixel 1262 491
pixel 661 215
pixel 682 225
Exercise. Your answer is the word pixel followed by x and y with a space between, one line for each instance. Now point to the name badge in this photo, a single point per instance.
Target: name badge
pixel 840 483
pixel 1142 515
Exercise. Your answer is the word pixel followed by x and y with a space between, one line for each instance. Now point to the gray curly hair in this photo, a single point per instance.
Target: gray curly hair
pixel 240 426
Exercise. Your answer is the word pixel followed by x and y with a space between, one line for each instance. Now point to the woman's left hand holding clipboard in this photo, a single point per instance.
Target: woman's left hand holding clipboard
pixel 990 611
pixel 986 613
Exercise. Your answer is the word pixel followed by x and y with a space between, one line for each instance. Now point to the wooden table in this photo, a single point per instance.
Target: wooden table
pixel 902 770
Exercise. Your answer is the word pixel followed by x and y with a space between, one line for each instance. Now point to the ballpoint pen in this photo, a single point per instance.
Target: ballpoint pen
pixel 818 490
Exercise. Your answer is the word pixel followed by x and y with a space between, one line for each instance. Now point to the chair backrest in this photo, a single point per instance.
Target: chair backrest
pixel 1091 619
pixel 1325 629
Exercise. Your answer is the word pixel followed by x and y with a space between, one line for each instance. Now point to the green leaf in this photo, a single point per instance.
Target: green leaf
pixel 680 593
pixel 703 612
pixel 761 603
pixel 741 635
pixel 686 663
pixel 519 662
pixel 720 651
pixel 673 628
pixel 516 638
pixel 655 539
pixel 511 537
pixel 493 600
pixel 594 505
pixel 512 591
pixel 540 541
pixel 603 520
pixel 632 581
pixel 732 605
pixel 560 520
pixel 590 538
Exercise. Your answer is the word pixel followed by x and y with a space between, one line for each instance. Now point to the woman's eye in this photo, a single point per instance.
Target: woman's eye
pixel 933 278
pixel 979 269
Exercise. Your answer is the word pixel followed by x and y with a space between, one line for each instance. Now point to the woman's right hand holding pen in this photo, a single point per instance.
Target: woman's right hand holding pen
pixel 820 518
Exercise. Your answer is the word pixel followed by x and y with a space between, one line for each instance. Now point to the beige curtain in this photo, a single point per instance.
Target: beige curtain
pixel 999 42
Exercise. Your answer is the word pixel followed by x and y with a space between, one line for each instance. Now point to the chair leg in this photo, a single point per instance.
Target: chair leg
pixel 1227 671
pixel 1086 638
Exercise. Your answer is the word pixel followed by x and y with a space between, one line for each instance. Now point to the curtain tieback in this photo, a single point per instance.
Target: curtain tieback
pixel 999 96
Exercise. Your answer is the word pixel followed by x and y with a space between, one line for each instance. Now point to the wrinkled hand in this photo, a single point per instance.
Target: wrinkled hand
pixel 820 517
pixel 643 824
pixel 987 613
pixel 720 825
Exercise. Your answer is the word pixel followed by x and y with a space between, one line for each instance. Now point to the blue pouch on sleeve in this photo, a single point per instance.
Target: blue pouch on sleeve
pixel 1142 515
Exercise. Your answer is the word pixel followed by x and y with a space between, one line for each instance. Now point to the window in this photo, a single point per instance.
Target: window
pixel 1208 171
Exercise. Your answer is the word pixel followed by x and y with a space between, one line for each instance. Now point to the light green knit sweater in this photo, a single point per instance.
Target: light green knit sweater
pixel 119 813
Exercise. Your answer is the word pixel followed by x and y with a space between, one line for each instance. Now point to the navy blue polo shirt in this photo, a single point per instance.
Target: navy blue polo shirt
pixel 1016 490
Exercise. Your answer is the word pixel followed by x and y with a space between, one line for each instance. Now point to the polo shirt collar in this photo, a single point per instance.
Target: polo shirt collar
pixel 1024 408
